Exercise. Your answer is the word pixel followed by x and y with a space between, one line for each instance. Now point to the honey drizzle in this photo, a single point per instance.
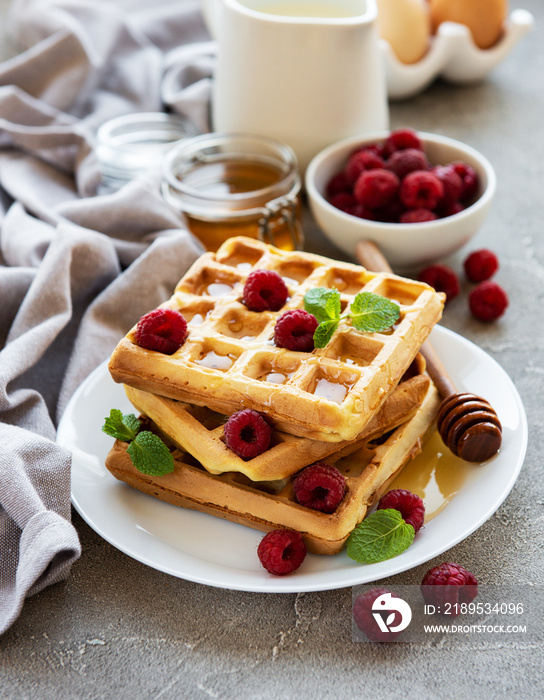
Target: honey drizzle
pixel 435 475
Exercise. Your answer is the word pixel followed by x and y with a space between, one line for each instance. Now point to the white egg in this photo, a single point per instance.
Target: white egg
pixel 406 25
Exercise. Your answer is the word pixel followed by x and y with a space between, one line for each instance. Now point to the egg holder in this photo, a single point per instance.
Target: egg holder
pixel 453 56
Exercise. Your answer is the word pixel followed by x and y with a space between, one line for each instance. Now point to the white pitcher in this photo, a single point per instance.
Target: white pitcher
pixel 305 72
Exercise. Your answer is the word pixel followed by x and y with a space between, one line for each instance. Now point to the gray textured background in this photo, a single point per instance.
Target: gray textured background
pixel 117 628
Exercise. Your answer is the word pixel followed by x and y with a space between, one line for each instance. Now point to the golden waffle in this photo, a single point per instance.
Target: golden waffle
pixel 229 360
pixel 271 505
pixel 199 431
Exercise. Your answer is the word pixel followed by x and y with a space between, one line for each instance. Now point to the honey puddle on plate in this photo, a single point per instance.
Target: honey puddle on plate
pixel 435 475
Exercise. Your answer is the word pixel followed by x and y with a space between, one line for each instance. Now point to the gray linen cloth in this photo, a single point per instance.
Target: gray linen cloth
pixel 76 269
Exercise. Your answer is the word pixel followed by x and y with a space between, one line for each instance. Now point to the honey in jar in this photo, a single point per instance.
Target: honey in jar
pixel 235 185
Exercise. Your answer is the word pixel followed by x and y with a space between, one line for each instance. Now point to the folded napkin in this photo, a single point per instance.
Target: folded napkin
pixel 77 269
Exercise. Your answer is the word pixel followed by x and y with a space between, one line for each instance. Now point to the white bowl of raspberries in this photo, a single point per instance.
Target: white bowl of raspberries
pixel 418 196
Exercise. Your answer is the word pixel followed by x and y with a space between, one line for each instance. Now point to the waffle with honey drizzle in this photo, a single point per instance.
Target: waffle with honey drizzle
pixel 271 504
pixel 199 431
pixel 229 360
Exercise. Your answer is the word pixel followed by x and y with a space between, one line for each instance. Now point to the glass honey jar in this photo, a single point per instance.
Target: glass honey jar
pixel 132 145
pixel 229 184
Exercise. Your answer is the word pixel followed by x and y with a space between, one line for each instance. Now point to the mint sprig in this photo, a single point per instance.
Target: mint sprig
pixel 373 313
pixel 369 313
pixel 121 427
pixel 147 451
pixel 382 535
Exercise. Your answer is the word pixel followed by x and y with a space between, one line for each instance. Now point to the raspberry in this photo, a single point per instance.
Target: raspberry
pixel 264 290
pixel 364 212
pixel 247 433
pixel 295 330
pixel 451 182
pixel 376 188
pixel 365 621
pixel 320 486
pixel 416 216
pixel 163 330
pixel 481 265
pixel 442 278
pixel 421 189
pixel 281 551
pixel 448 209
pixel 400 139
pixel 409 505
pixel 469 179
pixel 449 584
pixel 364 159
pixel 338 183
pixel 391 212
pixel 406 161
pixel 487 301
pixel 344 201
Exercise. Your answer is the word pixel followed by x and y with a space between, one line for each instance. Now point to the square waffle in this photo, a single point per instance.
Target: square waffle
pixel 229 360
pixel 199 431
pixel 270 505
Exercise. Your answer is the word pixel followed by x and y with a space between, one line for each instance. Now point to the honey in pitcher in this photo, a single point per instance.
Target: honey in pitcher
pixel 236 185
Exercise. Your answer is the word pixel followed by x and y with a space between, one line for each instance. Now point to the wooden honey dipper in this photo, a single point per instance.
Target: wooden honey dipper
pixel 468 424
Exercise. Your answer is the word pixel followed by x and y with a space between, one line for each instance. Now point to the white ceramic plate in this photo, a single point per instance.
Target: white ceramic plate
pixel 208 550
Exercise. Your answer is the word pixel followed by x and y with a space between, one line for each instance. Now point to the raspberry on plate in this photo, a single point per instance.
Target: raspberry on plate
pixel 442 278
pixel 408 504
pixel 401 139
pixel 376 188
pixel 247 433
pixel 163 330
pixel 264 290
pixel 481 265
pixel 295 330
pixel 488 301
pixel 448 585
pixel 281 551
pixel 320 487
pixel 364 618
pixel 421 189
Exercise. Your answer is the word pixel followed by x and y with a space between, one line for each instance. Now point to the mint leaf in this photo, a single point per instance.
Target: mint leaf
pixel 324 332
pixel 373 313
pixel 150 455
pixel 323 303
pixel 380 536
pixel 121 427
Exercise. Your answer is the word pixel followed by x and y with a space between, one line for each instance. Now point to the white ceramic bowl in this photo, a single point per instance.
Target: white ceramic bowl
pixel 405 246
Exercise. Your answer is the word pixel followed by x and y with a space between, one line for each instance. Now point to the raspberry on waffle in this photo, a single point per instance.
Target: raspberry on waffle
pixel 271 505
pixel 229 360
pixel 200 431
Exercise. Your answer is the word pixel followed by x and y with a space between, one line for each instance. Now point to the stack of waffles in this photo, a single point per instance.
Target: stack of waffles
pixel 362 403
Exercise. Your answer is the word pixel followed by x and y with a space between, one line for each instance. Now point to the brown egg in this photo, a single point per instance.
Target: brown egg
pixel 484 18
pixel 406 25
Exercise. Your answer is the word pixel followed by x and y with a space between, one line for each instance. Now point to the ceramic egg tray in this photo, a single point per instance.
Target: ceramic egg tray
pixel 453 56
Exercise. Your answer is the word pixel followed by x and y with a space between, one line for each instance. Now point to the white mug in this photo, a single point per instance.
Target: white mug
pixel 305 72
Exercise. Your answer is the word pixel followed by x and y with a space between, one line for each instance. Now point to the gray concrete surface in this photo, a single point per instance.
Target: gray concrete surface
pixel 118 629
